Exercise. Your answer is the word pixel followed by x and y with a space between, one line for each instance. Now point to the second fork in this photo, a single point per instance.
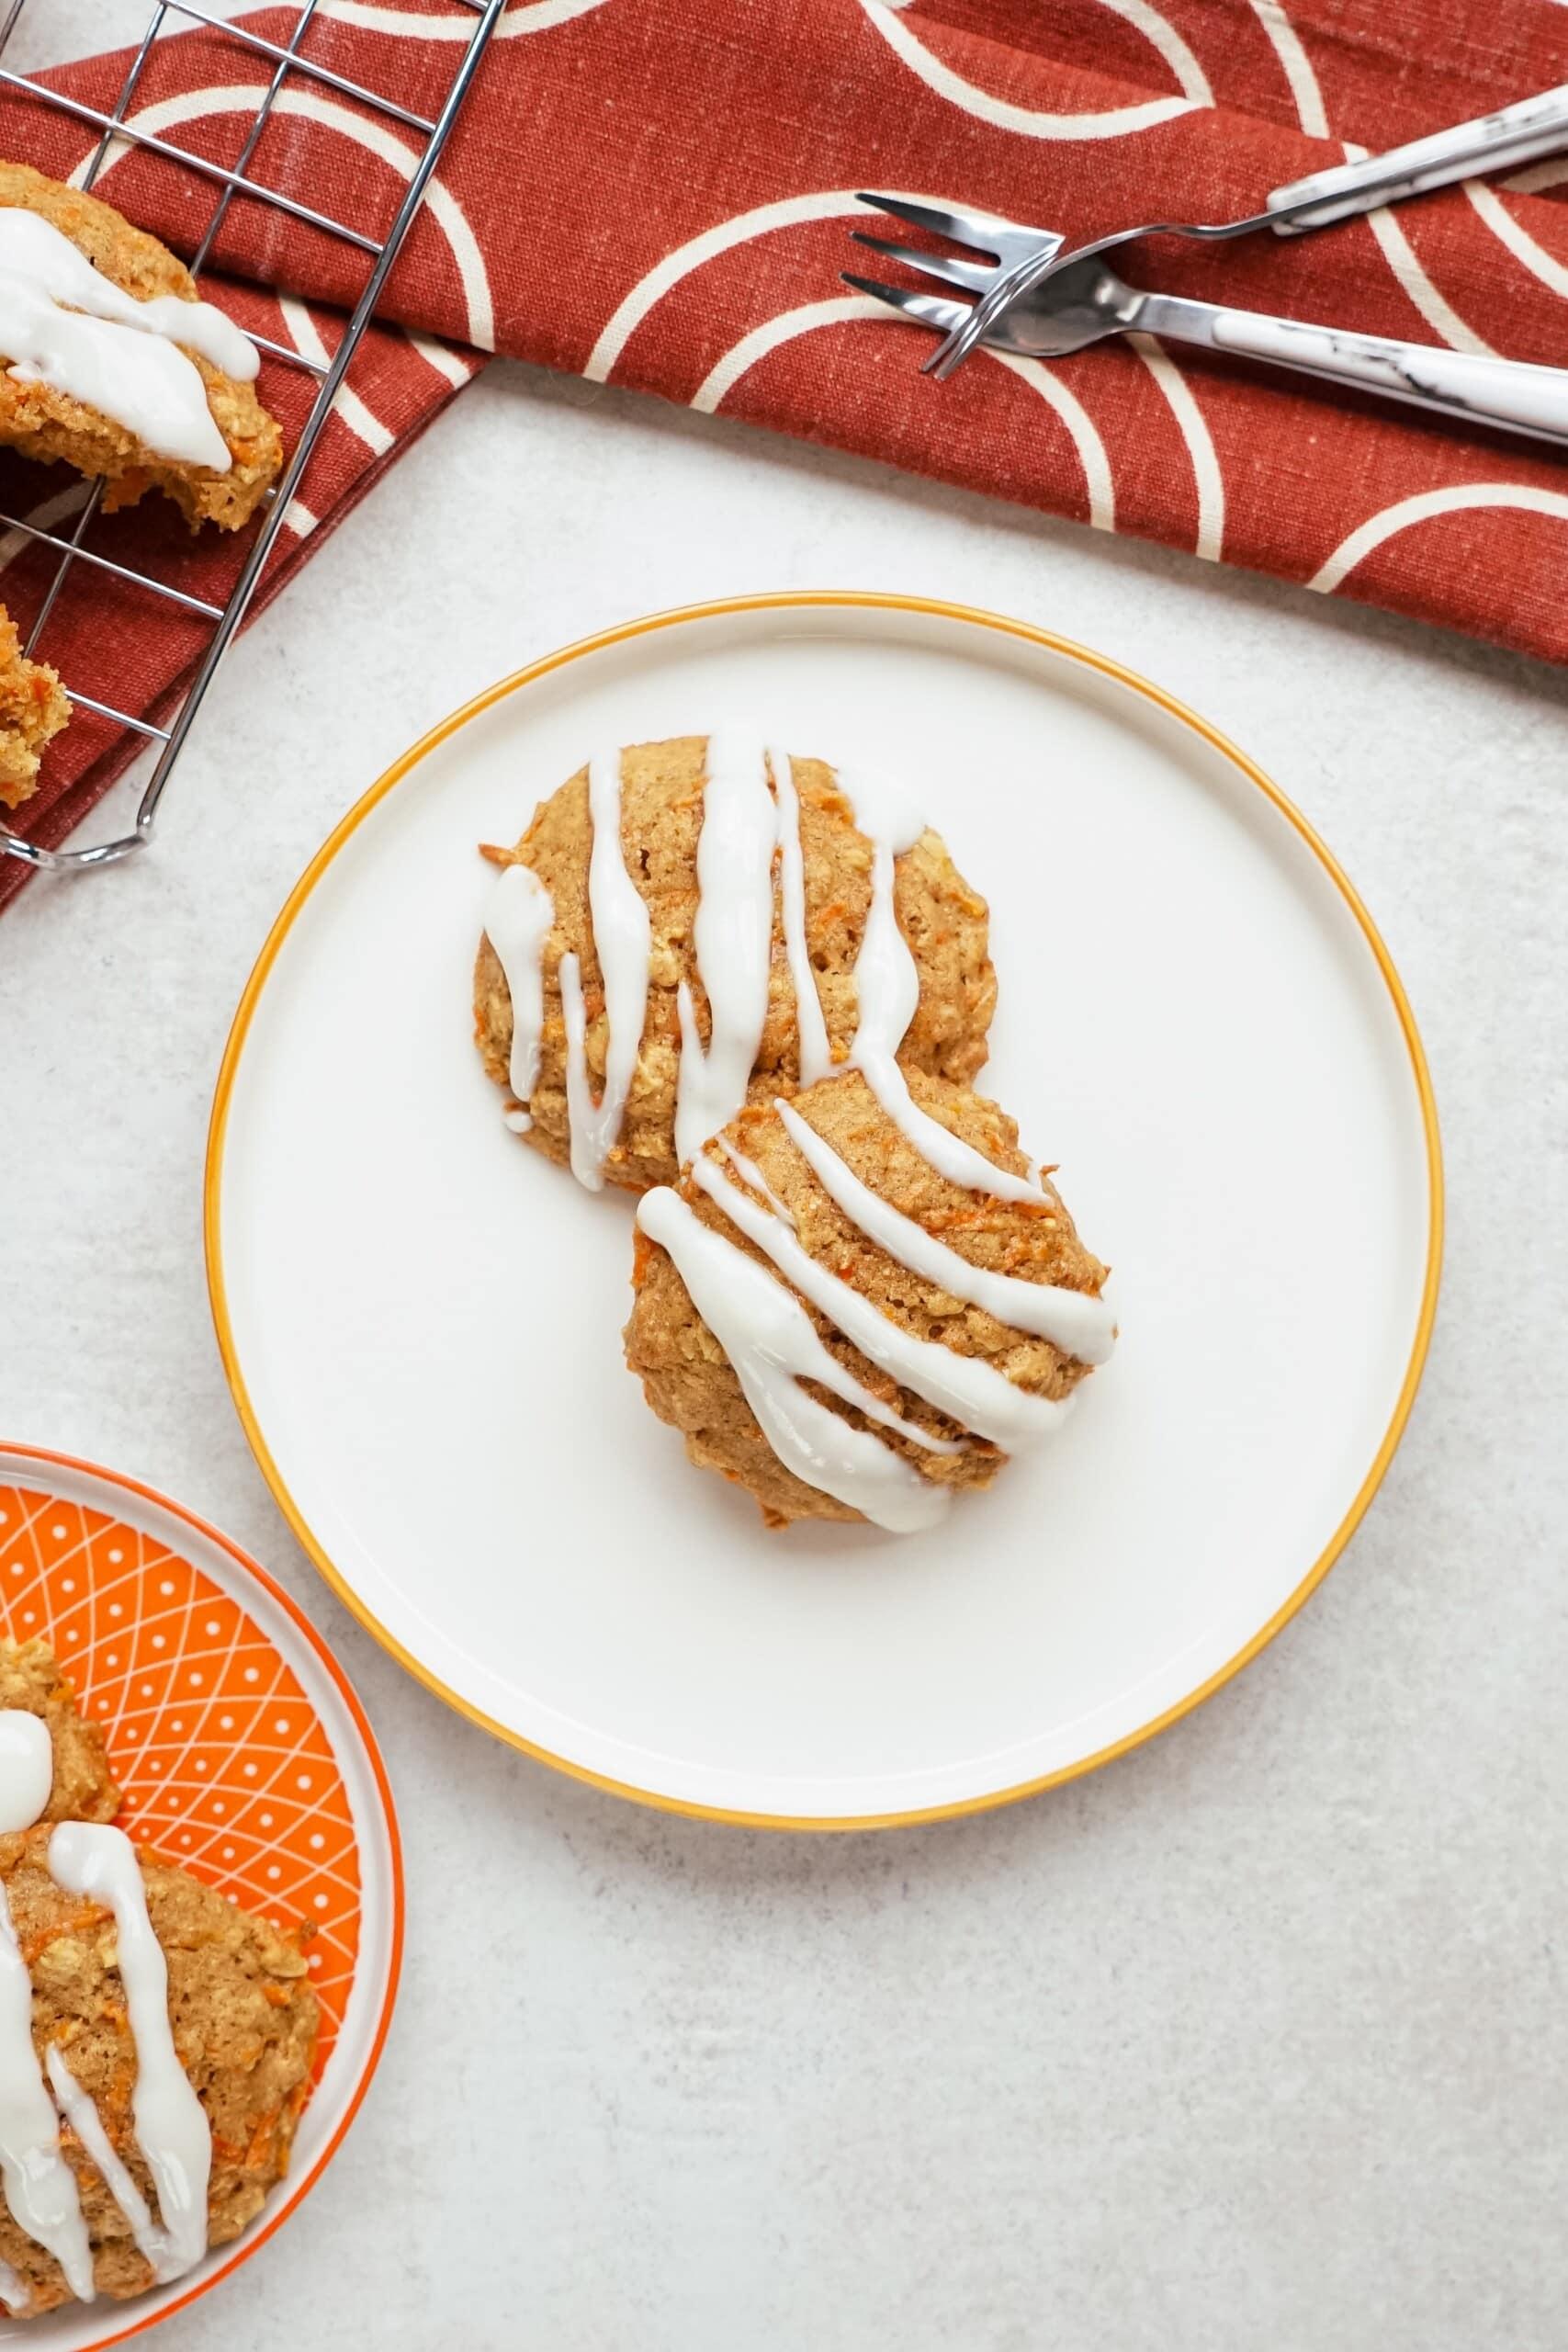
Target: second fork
pixel 1082 301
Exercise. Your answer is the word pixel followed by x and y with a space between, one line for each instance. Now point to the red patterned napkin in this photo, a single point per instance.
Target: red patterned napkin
pixel 657 192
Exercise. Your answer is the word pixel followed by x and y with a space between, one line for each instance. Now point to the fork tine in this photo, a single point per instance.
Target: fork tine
pixel 928 308
pixel 1010 241
pixel 973 275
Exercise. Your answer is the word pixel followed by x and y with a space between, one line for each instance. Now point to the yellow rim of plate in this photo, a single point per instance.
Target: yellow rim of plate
pixel 792 601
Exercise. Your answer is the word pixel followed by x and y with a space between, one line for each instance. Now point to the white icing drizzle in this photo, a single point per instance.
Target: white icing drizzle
pixel 517 926
pixel 770 1340
pixel 27 1769
pixel 1073 1320
pixel 749 1173
pixel 89 1860
pixel 884 809
pixel 623 941
pixel 63 324
pixel 815 1057
pixel 83 2116
pixel 733 936
pixel 947 1153
pixel 41 2188
pixel 32 248
pixel 887 985
pixel 15 2292
pixel 968 1390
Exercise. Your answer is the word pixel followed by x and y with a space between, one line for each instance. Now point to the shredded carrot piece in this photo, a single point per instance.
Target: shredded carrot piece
pixel 262 2139
pixel 90 1916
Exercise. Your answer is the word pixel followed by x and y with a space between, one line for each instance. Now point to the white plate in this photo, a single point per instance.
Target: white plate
pixel 420 1320
pixel 241 1751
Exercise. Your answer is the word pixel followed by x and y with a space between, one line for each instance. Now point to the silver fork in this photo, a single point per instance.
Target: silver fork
pixel 1082 301
pixel 1510 136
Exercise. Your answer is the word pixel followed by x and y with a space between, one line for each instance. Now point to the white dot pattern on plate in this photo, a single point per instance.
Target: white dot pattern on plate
pixel 213 1774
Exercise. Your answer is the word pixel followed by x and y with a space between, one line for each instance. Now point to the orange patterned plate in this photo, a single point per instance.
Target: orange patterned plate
pixel 244 1754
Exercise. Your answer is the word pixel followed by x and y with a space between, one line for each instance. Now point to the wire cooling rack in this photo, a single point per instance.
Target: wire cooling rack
pixel 69 552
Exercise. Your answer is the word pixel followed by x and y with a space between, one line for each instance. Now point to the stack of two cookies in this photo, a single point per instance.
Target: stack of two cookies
pixel 757 992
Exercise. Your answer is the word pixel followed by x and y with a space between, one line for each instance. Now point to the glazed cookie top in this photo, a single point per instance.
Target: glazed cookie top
pixel 155 2043
pixel 243 2021
pixel 120 368
pixel 681 930
pixel 889 1297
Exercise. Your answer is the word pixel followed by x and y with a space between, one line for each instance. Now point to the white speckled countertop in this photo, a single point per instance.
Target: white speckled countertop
pixel 1254 2038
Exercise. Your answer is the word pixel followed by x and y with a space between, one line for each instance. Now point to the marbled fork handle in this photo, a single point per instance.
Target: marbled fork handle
pixel 1516 134
pixel 1511 393
pixel 1493 143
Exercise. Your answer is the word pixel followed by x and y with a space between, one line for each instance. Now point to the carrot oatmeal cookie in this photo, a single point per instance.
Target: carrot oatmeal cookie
pixel 156 2043
pixel 117 366
pixel 678 933
pixel 33 709
pixel 81 1787
pixel 861 1302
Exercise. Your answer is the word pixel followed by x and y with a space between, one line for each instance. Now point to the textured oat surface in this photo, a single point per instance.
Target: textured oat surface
pixel 242 2014
pixel 46 423
pixel 661 802
pixel 33 709
pixel 85 1787
pixel 689 1381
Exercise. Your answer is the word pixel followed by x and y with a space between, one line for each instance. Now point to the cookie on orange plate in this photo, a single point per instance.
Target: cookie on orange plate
pixel 155 2076
pixel 200 1869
